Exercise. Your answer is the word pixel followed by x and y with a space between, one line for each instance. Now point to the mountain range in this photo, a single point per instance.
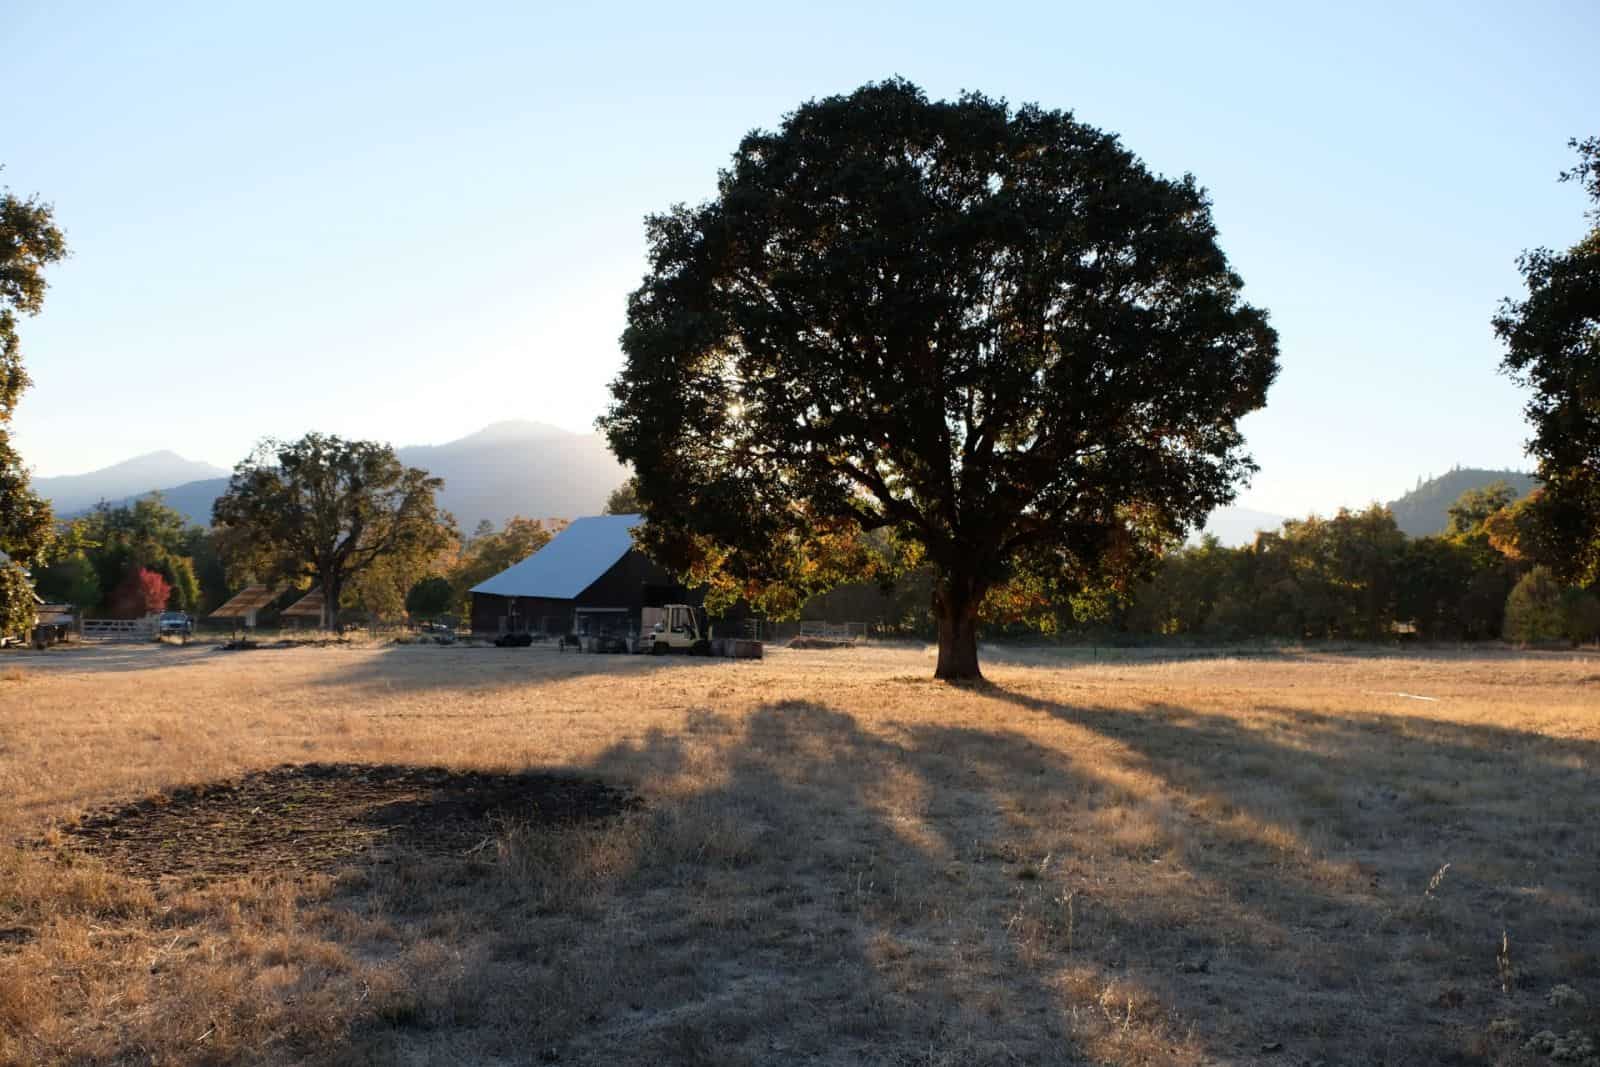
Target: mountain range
pixel 505 469
pixel 72 493
pixel 538 471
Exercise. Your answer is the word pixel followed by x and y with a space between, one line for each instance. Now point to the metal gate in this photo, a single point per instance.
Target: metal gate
pixel 118 629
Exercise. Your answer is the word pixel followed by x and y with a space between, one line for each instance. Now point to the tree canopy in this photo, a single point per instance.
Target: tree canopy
pixel 624 499
pixel 29 242
pixel 989 331
pixel 490 552
pixel 142 592
pixel 1552 340
pixel 96 552
pixel 323 509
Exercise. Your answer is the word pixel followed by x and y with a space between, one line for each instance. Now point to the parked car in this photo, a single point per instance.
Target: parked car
pixel 175 624
pixel 442 633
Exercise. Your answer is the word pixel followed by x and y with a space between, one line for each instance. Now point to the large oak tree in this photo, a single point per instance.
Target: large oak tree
pixel 326 510
pixel 1552 340
pixel 991 332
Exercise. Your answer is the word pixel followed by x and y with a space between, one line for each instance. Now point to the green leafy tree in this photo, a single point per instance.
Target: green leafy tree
pixel 624 499
pixel 488 554
pixel 1183 594
pixel 27 526
pixel 1580 615
pixel 382 589
pixel 1438 590
pixel 1343 572
pixel 180 576
pixel 18 612
pixel 1552 340
pixel 69 579
pixel 149 534
pixel 200 548
pixel 430 598
pixel 323 509
pixel 1533 610
pixel 1523 532
pixel 1474 507
pixel 991 331
pixel 29 242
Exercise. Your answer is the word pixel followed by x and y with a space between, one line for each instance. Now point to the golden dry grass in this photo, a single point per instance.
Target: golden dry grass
pixel 1229 860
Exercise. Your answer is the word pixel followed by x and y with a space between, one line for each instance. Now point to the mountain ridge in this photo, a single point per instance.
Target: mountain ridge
pixel 1425 510
pixel 505 469
pixel 130 477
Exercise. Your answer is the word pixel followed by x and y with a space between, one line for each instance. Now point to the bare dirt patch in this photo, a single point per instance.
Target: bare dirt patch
pixel 316 816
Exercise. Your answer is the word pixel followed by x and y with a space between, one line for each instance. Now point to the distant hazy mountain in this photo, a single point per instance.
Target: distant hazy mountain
pixel 1236 527
pixel 1425 510
pixel 506 469
pixel 76 492
pixel 520 468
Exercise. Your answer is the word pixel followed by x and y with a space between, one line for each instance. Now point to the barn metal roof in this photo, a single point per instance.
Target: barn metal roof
pixel 573 560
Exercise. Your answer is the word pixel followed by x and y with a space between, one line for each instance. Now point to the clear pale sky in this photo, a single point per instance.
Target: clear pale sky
pixel 405 221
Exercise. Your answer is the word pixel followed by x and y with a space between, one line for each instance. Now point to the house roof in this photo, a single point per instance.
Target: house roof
pixel 573 560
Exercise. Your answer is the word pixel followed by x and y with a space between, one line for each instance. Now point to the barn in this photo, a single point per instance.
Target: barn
pixel 589 579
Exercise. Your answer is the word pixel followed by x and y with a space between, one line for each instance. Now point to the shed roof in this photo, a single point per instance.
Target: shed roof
pixel 251 598
pixel 573 560
pixel 309 606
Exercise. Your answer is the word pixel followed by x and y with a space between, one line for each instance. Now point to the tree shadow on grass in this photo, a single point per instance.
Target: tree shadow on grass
pixel 102 657
pixel 444 669
pixel 1028 881
pixel 805 889
pixel 779 900
pixel 1358 871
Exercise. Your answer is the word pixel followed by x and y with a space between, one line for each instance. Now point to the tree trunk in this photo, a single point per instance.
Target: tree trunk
pixel 955 605
pixel 330 603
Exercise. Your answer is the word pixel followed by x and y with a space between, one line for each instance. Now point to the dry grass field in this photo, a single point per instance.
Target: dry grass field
pixel 823 857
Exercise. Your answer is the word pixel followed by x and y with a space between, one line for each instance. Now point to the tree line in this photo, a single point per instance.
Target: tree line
pixel 1356 576
pixel 322 512
pixel 1353 576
